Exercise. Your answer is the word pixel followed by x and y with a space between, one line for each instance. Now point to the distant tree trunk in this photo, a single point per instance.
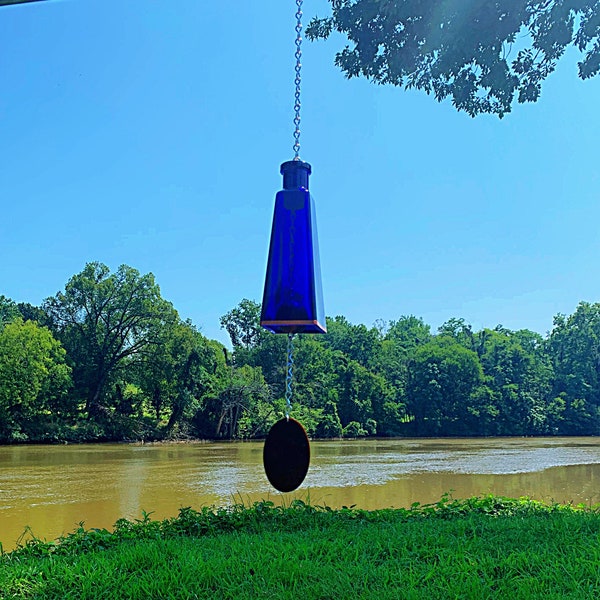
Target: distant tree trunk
pixel 157 402
pixel 93 406
pixel 220 423
pixel 184 393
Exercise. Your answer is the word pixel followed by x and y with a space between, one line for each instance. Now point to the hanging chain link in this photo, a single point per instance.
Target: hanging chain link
pixel 288 375
pixel 298 80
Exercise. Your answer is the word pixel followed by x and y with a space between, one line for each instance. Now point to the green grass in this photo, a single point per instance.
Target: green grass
pixel 477 548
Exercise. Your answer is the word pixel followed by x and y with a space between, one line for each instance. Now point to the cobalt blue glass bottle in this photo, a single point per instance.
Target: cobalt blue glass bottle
pixel 293 296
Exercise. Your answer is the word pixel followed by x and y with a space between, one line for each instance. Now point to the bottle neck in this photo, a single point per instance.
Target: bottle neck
pixel 295 174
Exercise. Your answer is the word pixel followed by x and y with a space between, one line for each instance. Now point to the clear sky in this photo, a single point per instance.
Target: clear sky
pixel 150 133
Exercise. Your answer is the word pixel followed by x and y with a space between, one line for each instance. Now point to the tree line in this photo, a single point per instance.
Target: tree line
pixel 108 358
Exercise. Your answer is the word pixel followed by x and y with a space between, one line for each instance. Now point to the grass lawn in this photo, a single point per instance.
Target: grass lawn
pixel 480 548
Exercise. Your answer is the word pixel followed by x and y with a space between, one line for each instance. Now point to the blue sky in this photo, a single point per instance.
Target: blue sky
pixel 150 133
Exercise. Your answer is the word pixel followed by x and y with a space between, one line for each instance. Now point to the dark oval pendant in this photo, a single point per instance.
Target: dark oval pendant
pixel 286 455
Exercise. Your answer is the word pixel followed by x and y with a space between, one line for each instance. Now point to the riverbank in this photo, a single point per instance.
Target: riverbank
pixel 480 548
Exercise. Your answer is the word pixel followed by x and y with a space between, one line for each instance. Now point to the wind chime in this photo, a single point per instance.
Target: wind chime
pixel 293 298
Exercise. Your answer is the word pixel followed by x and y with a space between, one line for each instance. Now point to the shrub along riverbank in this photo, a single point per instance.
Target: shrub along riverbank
pixel 477 548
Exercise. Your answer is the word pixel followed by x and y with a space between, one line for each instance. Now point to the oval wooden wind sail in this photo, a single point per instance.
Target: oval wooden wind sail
pixel 286 455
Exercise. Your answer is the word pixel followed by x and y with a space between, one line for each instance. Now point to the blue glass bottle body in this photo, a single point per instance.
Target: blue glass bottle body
pixel 293 296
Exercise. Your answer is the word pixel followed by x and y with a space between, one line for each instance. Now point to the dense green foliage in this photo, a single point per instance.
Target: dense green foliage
pixel 109 359
pixel 481 53
pixel 34 379
pixel 478 548
pixel 399 378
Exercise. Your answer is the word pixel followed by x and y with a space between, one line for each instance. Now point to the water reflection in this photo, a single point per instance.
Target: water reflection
pixel 53 488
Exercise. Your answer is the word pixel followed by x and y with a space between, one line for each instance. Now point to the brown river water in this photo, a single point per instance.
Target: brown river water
pixel 53 488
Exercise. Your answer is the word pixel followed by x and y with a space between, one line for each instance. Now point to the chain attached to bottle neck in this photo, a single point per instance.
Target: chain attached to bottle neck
pixel 297 80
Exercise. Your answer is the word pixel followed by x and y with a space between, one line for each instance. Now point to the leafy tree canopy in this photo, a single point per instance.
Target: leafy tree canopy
pixel 34 377
pixel 178 368
pixel 242 323
pixel 8 310
pixel 575 348
pixel 481 53
pixel 441 390
pixel 106 320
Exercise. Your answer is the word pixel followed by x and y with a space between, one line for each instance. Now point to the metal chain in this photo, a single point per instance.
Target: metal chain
pixel 289 374
pixel 298 80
